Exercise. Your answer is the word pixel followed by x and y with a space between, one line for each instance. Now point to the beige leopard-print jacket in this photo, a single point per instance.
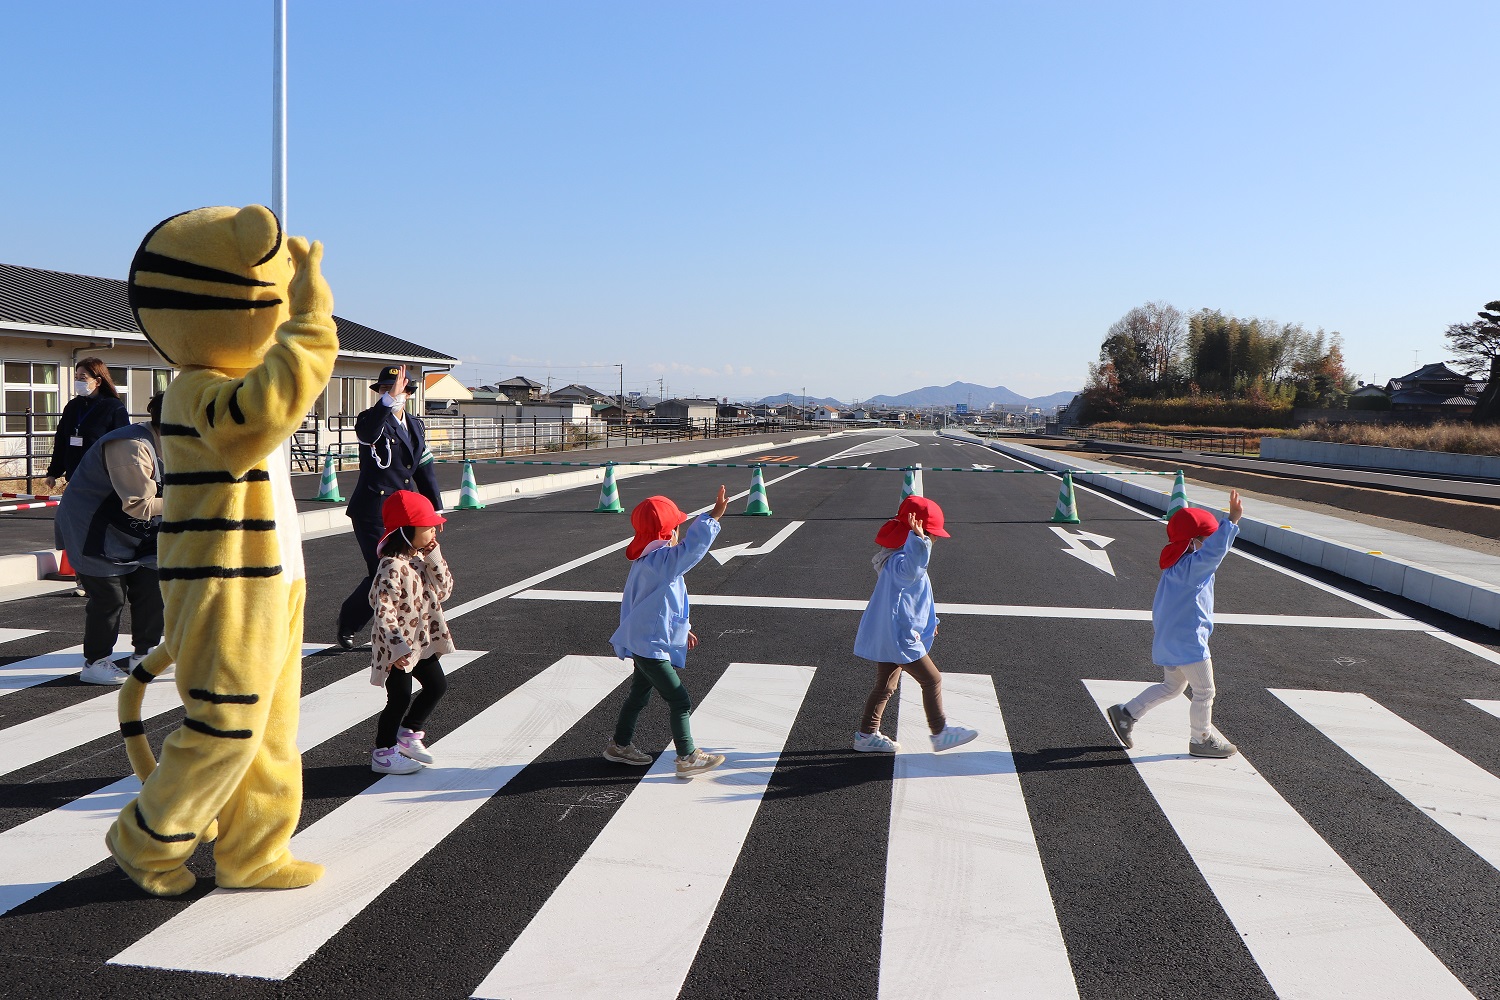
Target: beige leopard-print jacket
pixel 408 595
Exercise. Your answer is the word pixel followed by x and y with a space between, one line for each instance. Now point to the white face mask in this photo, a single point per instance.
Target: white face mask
pixel 81 387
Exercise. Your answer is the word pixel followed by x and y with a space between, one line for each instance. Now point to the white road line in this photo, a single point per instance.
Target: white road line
pixel 1485 705
pixel 992 610
pixel 668 852
pixel 1483 652
pixel 373 839
pixel 58 732
pixel 1454 792
pixel 50 666
pixel 556 571
pixel 12 634
pixel 39 854
pixel 1314 928
pixel 967 908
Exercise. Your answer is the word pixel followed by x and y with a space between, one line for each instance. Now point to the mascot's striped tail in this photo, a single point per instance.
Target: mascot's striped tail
pixel 133 727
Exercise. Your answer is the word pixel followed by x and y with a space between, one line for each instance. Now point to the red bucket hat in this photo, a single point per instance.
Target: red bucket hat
pixel 405 509
pixel 892 534
pixel 653 518
pixel 1187 524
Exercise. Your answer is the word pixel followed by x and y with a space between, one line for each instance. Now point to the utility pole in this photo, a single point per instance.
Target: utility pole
pixel 278 118
pixel 622 387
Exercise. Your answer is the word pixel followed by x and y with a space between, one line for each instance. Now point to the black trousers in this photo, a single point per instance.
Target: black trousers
pixel 355 614
pixel 401 709
pixel 106 600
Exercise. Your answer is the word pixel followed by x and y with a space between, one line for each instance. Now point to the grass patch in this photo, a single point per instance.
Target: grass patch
pixel 1461 438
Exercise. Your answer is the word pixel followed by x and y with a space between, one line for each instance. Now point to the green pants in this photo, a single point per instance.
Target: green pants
pixel 656 674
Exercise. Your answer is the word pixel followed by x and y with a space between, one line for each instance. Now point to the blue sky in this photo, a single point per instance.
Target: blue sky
pixel 748 198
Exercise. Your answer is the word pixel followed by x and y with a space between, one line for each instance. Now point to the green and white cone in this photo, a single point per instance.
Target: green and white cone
pixel 756 505
pixel 1067 506
pixel 468 494
pixel 328 486
pixel 1179 496
pixel 609 496
pixel 911 483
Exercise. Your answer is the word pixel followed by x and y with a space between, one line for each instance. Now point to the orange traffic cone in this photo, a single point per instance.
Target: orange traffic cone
pixel 64 569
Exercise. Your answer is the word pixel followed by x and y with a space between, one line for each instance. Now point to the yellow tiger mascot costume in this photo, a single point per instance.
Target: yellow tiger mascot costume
pixel 248 319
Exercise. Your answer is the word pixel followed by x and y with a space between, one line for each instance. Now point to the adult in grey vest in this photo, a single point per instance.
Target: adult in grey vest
pixel 108 519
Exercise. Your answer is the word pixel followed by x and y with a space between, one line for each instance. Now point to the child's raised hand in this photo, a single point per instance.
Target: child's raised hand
pixel 721 504
pixel 915 523
pixel 1236 508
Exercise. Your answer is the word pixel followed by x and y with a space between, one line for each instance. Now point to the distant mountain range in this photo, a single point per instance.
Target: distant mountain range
pixel 979 397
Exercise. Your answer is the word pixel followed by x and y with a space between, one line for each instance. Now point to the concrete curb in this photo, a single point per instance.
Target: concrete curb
pixel 1452 593
pixel 28 567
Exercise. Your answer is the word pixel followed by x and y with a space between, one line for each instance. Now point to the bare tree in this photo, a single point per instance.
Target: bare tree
pixel 1159 333
pixel 1477 344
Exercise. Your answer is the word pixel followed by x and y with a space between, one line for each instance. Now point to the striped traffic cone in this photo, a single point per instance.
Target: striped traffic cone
pixel 468 493
pixel 757 505
pixel 328 486
pixel 1067 505
pixel 609 495
pixel 1179 499
pixel 911 483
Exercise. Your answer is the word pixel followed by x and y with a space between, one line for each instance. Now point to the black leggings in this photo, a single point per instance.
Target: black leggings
pixel 429 673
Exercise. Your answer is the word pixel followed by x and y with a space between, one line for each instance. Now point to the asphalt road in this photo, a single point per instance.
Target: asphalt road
pixel 803 869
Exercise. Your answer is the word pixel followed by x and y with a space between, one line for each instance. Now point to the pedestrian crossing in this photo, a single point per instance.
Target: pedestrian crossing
pixel 966 906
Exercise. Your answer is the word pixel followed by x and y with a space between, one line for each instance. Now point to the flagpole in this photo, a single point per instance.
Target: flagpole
pixel 278 119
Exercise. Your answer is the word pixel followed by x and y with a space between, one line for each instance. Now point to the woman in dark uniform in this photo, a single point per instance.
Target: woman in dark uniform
pixel 93 412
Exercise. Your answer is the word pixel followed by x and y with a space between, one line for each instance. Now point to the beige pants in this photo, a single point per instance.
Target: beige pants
pixel 1199 676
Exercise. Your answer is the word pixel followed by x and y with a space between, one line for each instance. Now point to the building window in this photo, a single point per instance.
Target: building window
pixel 30 385
pixel 145 383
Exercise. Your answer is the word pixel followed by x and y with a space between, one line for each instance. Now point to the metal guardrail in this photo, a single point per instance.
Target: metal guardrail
pixel 1209 441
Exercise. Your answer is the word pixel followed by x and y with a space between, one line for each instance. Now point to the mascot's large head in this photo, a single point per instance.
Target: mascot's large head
pixel 209 287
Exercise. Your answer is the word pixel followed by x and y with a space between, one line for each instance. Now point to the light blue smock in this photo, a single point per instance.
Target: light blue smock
pixel 899 623
pixel 1183 612
pixel 654 608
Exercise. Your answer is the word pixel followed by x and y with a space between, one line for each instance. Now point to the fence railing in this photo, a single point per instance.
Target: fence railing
pixel 24 454
pixel 1211 441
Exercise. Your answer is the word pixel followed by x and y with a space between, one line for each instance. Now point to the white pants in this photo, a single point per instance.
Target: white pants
pixel 1174 680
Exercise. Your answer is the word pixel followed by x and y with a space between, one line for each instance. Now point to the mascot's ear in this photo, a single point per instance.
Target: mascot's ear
pixel 258 234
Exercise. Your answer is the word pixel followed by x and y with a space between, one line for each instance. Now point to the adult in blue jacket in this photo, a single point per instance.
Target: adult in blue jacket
pixel 393 455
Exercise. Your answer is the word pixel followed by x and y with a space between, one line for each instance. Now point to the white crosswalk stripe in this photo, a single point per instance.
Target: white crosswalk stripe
pixel 966 900
pixel 370 841
pixel 1272 873
pixel 748 713
pixel 12 634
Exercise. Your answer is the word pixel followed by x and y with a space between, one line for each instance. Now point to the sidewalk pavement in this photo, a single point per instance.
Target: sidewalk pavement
pixel 25 561
pixel 1450 579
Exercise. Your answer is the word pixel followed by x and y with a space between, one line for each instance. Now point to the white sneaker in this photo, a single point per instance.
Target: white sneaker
pixel 409 742
pixel 136 658
pixel 389 760
pixel 102 672
pixel 876 742
pixel 952 736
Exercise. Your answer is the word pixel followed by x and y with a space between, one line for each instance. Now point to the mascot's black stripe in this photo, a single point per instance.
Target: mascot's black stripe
pixel 212 478
pixel 178 430
pixel 147 297
pixel 214 524
pixel 213 697
pixel 274 246
pixel 235 413
pixel 165 838
pixel 155 263
pixel 216 572
pixel 207 730
pixel 129 729
pixel 139 673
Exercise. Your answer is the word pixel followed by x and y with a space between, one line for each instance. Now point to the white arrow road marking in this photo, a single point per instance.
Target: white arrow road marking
pixel 728 552
pixel 1078 547
pixel 982 467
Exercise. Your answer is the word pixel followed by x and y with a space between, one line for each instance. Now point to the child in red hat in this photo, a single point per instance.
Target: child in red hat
pixel 654 628
pixel 1182 619
pixel 899 625
pixel 409 634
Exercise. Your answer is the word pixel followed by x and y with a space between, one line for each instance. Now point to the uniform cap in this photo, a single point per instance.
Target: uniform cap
pixel 892 534
pixel 1187 524
pixel 653 518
